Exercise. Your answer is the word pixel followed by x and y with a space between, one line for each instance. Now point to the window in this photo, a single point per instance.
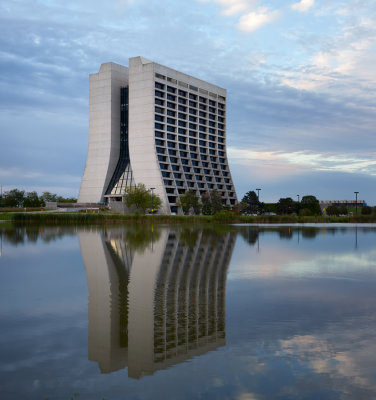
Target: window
pixel 171 113
pixel 159 126
pixel 202 128
pixel 172 152
pixel 171 145
pixel 192 104
pixel 192 141
pixel 182 131
pixel 182 108
pixel 183 154
pixel 192 119
pixel 211 116
pixel 192 133
pixel 192 126
pixel 177 175
pixel 194 163
pixel 202 99
pixel 171 137
pixel 159 102
pixel 182 139
pixel 192 96
pixel 212 110
pixel 182 116
pixel 159 134
pixel 175 167
pixel 166 174
pixel 174 160
pixel 171 121
pixel 159 93
pixel 170 128
pixel 182 93
pixel 171 89
pixel 182 123
pixel 182 101
pixel 159 86
pixel 182 146
pixel 159 142
pixel 160 151
pixel 171 105
pixel 163 166
pixel 162 158
pixel 171 97
pixel 159 118
pixel 159 110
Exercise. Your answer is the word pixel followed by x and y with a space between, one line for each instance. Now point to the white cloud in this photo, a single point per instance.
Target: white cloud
pixel 233 7
pixel 256 19
pixel 278 164
pixel 303 5
pixel 253 15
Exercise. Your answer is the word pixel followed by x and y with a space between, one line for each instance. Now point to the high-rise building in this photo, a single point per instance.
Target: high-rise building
pixel 154 125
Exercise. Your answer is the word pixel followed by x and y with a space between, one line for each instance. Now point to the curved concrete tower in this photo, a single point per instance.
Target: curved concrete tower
pixel 154 125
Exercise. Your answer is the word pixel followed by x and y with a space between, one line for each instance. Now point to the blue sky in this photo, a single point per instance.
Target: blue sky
pixel 300 77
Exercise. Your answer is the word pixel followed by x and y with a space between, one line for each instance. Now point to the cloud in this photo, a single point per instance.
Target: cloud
pixel 233 7
pixel 256 19
pixel 253 16
pixel 287 163
pixel 303 5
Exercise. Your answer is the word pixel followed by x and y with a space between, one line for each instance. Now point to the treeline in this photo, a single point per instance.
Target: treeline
pixel 308 206
pixel 20 198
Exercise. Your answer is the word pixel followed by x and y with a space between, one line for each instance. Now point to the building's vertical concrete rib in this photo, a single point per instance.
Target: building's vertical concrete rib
pixel 104 131
pixel 142 154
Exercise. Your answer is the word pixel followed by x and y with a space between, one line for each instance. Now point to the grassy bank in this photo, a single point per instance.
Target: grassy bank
pixel 222 217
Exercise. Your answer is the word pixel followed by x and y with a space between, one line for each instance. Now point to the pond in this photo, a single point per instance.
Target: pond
pixel 185 312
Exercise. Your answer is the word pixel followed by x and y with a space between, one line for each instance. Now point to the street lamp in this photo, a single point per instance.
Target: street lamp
pixel 298 198
pixel 152 200
pixel 356 203
pixel 258 194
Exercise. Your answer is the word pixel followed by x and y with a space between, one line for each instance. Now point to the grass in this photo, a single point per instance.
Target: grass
pixel 91 218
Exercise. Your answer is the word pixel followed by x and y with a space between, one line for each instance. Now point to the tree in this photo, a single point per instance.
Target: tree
pixel 286 206
pixel 211 202
pixel 141 198
pixel 48 197
pixel 13 198
pixel 366 210
pixel 311 204
pixel 32 200
pixel 251 202
pixel 332 210
pixel 188 201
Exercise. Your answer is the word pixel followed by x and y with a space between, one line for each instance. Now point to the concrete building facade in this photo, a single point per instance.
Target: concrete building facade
pixel 154 125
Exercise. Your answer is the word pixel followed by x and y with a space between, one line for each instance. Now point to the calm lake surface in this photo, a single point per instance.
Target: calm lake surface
pixel 167 312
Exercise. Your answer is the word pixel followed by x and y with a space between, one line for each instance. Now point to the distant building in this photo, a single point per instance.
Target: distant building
pixel 346 203
pixel 154 125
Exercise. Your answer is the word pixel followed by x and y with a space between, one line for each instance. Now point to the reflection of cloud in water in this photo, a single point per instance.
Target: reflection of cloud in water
pixel 280 261
pixel 346 356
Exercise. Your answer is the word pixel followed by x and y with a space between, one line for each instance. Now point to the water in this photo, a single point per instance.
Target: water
pixel 142 312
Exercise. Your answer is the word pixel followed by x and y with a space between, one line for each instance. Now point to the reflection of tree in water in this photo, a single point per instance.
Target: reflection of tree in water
pixel 140 237
pixel 286 232
pixel 21 234
pixel 250 234
pixel 309 233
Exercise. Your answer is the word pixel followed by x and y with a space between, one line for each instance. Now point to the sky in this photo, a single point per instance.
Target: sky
pixel 300 79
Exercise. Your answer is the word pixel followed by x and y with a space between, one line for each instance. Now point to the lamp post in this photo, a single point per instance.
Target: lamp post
pixel 356 203
pixel 258 194
pixel 152 200
pixel 298 198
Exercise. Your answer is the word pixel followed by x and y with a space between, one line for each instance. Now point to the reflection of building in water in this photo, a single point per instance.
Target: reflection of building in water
pixel 175 295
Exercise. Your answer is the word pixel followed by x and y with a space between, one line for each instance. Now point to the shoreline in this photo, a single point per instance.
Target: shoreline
pixel 109 218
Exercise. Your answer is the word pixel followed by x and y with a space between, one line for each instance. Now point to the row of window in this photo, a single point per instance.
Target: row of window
pixel 185 155
pixel 183 101
pixel 186 85
pixel 190 125
pixel 190 147
pixel 183 110
pixel 183 118
pixel 192 137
